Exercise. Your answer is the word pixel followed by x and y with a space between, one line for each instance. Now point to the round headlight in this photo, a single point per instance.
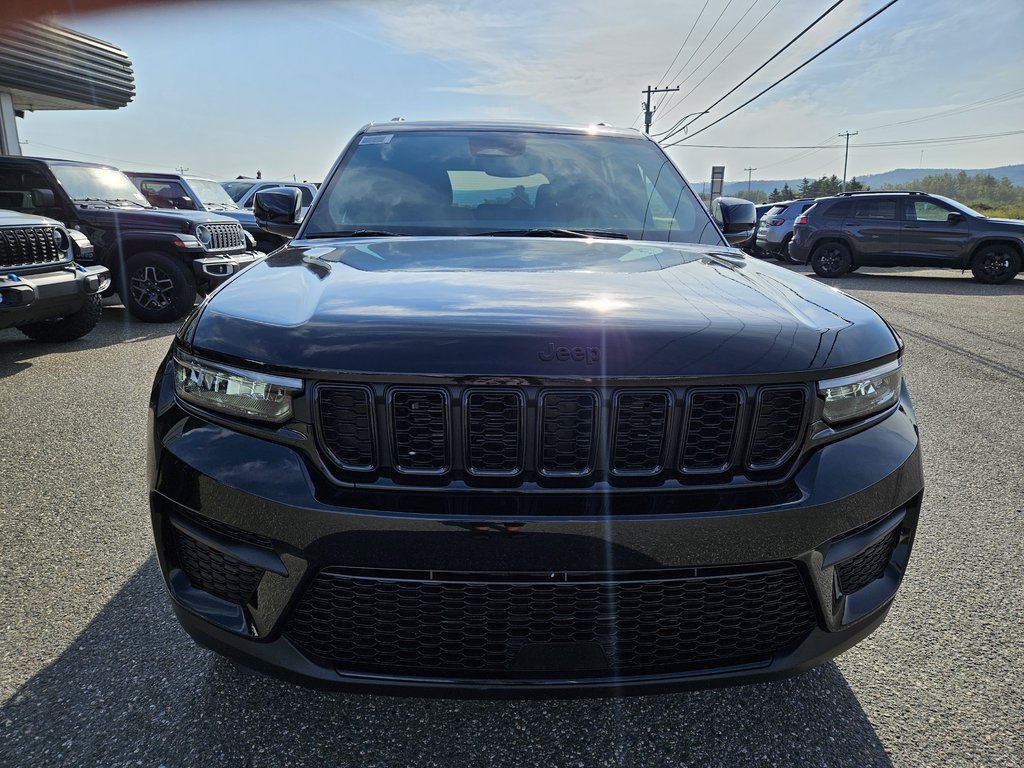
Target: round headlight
pixel 204 234
pixel 60 239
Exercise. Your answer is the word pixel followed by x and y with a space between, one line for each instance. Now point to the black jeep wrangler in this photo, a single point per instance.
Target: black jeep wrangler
pixel 159 260
pixel 43 291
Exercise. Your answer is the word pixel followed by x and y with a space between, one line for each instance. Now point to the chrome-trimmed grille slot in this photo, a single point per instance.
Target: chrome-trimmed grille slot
pixel 420 432
pixel 494 432
pixel 709 430
pixel 638 434
pixel 566 443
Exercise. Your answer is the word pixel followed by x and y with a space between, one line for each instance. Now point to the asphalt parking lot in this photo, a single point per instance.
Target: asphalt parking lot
pixel 94 670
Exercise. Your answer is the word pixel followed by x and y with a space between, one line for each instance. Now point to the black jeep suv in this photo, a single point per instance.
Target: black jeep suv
pixel 905 229
pixel 509 417
pixel 159 260
pixel 44 291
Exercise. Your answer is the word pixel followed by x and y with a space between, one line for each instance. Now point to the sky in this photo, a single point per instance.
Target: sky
pixel 228 88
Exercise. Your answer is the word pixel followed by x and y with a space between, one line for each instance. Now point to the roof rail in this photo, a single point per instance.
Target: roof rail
pixel 882 192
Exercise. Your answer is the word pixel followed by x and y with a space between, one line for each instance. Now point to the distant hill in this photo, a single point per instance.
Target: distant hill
pixel 1015 173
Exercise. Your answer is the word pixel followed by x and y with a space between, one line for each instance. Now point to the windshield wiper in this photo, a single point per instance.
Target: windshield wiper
pixel 555 232
pixel 355 233
pixel 116 200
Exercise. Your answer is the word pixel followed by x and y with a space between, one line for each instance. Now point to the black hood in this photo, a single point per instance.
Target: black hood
pixel 156 219
pixel 533 307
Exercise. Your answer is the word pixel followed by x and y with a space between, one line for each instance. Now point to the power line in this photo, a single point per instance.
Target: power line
pixel 793 71
pixel 966 138
pixel 774 56
pixel 725 58
pixel 700 45
pixel 1007 96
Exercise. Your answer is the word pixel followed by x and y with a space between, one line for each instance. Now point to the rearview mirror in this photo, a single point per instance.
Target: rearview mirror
pixel 278 210
pixel 735 217
pixel 43 198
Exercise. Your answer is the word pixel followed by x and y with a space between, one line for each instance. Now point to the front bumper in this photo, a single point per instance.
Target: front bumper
pixel 218 268
pixel 261 505
pixel 27 298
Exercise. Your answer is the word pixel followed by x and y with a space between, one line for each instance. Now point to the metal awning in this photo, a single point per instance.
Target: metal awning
pixel 46 66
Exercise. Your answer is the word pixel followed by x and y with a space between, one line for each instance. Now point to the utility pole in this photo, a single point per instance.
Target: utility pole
pixel 181 171
pixel 749 172
pixel 648 110
pixel 846 155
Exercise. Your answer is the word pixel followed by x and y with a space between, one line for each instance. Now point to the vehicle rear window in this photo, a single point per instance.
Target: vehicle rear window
pixel 875 209
pixel 775 211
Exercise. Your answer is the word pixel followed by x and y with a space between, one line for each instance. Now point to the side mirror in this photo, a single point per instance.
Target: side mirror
pixel 954 218
pixel 185 203
pixel 43 198
pixel 735 217
pixel 278 210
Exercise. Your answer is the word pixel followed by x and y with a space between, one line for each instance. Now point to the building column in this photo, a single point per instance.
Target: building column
pixel 9 144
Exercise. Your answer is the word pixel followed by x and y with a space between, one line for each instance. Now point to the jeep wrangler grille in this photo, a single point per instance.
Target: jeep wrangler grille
pixel 506 436
pixel 28 246
pixel 225 237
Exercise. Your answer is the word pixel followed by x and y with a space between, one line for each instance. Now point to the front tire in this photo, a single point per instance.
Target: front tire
pixel 69 327
pixel 995 264
pixel 157 288
pixel 831 260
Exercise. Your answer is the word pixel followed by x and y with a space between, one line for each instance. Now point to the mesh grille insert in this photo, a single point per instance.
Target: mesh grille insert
pixel 346 425
pixel 639 437
pixel 568 422
pixel 712 419
pixel 859 571
pixel 480 628
pixel 494 432
pixel 214 572
pixel 419 423
pixel 780 415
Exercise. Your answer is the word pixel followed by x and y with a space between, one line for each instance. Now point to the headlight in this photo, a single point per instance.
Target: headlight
pixel 234 392
pixel 862 394
pixel 204 235
pixel 60 239
pixel 250 241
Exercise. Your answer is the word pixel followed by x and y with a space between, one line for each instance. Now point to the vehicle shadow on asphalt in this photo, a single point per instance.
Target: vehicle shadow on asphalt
pixel 950 284
pixel 115 327
pixel 132 687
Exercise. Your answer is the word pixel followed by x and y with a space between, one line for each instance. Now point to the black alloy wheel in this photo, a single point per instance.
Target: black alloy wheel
pixel 995 264
pixel 831 260
pixel 158 288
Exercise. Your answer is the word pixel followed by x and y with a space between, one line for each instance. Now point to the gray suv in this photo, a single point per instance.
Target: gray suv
pixel 776 227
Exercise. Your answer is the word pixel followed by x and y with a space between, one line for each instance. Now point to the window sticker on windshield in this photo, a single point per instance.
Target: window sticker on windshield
pixel 377 138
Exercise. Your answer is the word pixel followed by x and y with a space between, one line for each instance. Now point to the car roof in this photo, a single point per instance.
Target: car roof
pixel 398 126
pixel 58 161
pixel 262 181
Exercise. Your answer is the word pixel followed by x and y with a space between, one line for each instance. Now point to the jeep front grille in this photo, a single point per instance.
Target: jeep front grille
pixel 225 237
pixel 509 435
pixel 28 246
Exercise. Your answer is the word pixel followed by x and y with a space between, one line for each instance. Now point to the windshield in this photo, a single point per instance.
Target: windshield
pixel 210 192
pixel 475 182
pixel 960 206
pixel 236 189
pixel 83 182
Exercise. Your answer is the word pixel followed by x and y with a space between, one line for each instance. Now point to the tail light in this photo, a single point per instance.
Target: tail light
pixel 777 222
pixel 801 219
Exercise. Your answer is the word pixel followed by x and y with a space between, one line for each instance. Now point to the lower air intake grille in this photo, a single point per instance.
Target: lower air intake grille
pixel 214 572
pixel 486 628
pixel 869 565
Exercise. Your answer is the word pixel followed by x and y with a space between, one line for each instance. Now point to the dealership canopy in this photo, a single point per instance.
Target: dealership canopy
pixel 46 66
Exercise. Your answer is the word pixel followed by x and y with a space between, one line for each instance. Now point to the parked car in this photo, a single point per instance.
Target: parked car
pixel 508 416
pixel 775 230
pixel 194 193
pixel 751 247
pixel 243 191
pixel 158 259
pixel 44 291
pixel 906 229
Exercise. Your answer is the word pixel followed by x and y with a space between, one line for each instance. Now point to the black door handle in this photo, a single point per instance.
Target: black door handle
pixel 911 226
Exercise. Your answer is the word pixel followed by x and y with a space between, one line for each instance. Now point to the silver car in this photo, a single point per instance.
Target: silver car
pixel 776 227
